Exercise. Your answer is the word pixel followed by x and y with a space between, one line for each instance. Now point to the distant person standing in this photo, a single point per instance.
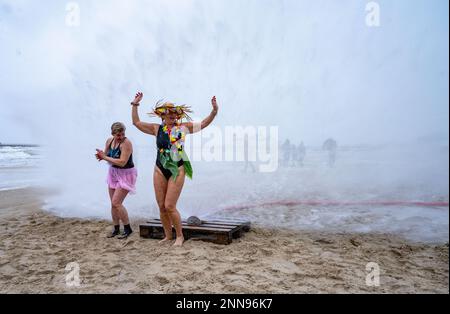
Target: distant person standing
pixel 286 153
pixel 330 145
pixel 301 153
pixel 294 156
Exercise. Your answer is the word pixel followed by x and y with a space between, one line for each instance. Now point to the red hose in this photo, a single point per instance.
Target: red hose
pixel 339 203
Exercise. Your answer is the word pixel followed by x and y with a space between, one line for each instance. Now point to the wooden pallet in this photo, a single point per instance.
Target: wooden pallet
pixel 220 230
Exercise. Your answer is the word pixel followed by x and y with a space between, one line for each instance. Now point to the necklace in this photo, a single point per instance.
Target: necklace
pixel 176 136
pixel 117 143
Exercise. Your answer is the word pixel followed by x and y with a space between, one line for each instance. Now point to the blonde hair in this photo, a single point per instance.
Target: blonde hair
pixel 117 127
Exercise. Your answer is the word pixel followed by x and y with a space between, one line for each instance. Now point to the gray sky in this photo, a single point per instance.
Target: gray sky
pixel 314 68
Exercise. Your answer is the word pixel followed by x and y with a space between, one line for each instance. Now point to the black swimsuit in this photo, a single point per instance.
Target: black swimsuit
pixel 163 142
pixel 116 152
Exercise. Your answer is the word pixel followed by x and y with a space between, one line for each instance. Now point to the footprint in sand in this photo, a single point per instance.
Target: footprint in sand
pixel 162 280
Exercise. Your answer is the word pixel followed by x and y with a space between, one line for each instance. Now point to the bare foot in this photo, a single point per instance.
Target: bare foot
pixel 166 239
pixel 179 241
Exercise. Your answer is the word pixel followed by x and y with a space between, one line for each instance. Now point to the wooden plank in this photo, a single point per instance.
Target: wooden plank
pixel 205 224
pixel 241 222
pixel 211 223
pixel 157 232
pixel 237 234
pixel 219 223
pixel 193 227
pixel 229 222
pixel 237 220
pixel 246 224
pixel 237 231
pixel 219 238
pixel 218 231
pixel 221 220
pixel 202 227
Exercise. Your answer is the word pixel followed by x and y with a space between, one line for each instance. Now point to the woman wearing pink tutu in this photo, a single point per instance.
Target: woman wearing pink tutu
pixel 121 176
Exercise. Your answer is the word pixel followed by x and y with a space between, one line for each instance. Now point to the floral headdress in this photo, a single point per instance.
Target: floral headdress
pixel 163 108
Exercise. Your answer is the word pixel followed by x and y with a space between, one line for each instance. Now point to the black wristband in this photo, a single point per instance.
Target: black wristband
pixel 134 104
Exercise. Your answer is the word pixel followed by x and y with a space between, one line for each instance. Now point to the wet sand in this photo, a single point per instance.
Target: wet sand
pixel 36 246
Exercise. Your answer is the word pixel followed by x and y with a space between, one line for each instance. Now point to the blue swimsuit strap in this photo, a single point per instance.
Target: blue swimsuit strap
pixel 114 150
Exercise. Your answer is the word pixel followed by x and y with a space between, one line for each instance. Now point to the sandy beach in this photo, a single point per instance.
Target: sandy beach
pixel 36 246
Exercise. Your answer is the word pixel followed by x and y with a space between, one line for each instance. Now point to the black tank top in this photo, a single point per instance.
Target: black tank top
pixel 116 152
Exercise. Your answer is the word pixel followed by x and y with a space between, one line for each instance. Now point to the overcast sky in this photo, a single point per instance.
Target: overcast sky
pixel 314 68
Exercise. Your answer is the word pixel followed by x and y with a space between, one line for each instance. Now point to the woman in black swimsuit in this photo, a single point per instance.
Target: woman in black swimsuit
pixel 172 164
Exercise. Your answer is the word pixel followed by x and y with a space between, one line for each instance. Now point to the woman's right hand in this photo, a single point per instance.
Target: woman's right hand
pixel 100 155
pixel 138 97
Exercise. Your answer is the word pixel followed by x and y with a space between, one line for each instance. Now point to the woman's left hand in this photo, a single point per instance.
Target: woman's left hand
pixel 214 104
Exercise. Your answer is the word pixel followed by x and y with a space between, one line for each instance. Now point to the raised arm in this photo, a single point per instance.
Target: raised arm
pixel 149 128
pixel 195 127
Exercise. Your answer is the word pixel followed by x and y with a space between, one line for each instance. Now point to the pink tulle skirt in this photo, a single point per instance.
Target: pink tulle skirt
pixel 122 178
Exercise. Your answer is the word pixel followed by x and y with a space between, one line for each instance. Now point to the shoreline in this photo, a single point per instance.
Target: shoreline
pixel 19 145
pixel 37 246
